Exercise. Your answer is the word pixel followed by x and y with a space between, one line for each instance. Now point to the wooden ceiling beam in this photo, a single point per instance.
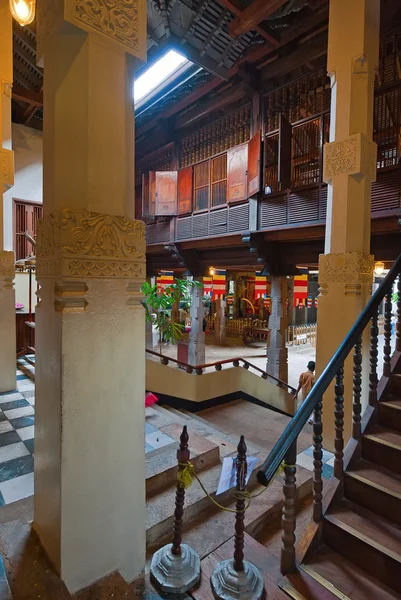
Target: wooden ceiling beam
pixel 28 96
pixel 235 10
pixel 24 55
pixel 231 95
pixel 256 12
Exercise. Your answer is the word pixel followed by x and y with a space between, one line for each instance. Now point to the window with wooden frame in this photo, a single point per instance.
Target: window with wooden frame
pixel 202 185
pixel 219 180
pixel 26 215
pixel 306 149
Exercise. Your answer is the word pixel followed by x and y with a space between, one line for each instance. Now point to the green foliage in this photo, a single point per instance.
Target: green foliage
pixel 158 306
pixel 395 297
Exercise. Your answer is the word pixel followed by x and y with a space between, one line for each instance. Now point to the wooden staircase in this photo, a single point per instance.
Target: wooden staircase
pixel 359 557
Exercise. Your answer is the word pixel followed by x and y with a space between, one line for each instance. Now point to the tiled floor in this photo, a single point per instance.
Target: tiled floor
pixel 155 439
pixel 305 459
pixel 17 421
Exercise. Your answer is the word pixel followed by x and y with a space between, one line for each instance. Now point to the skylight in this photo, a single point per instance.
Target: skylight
pixel 157 73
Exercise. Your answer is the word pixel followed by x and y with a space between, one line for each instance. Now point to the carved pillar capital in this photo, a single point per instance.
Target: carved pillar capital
pixel 355 156
pixel 75 245
pixel 353 269
pixel 121 22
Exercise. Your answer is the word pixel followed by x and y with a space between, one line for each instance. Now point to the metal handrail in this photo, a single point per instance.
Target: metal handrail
pixel 199 368
pixel 273 461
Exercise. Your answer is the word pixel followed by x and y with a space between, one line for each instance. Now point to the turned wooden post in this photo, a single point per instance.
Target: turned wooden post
pixel 387 336
pixel 373 354
pixel 339 423
pixel 357 390
pixel 317 463
pixel 240 505
pixel 398 319
pixel 288 521
pixel 182 458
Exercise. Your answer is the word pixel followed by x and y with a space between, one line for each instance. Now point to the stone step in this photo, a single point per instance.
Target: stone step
pixel 205 526
pixel 161 467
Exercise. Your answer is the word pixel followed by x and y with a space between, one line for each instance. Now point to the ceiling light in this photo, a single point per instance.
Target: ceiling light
pixel 212 271
pixel 23 11
pixel 379 268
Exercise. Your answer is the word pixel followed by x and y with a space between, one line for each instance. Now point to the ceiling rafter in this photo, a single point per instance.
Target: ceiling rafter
pixel 235 10
pixel 256 12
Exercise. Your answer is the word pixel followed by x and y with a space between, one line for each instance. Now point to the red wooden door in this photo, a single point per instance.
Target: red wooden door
pixel 166 193
pixel 254 150
pixel 237 171
pixel 284 152
pixel 184 190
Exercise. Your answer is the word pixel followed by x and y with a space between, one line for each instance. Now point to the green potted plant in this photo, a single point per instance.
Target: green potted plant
pixel 159 304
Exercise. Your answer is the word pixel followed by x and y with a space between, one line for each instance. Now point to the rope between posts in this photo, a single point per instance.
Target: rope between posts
pixel 187 473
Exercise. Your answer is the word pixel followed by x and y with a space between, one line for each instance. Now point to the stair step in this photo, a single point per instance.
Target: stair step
pixel 375 488
pixel 389 414
pixel 205 526
pixel 302 586
pixel 161 468
pixel 383 447
pixel 396 383
pixel 365 538
pixel 346 580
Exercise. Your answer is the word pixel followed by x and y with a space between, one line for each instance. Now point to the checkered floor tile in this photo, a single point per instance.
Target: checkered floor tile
pixel 305 459
pixel 17 422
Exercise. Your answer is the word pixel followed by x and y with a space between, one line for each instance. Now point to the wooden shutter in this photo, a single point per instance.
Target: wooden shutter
pixel 145 195
pixel 237 171
pixel 26 216
pixel 284 152
pixel 152 193
pixel 254 149
pixel 166 193
pixel 201 185
pixel 219 180
pixel 184 190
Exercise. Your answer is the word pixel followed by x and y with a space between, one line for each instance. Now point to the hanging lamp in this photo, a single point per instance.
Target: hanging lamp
pixel 23 11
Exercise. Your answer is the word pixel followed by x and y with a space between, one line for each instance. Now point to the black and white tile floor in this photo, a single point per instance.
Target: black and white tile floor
pixel 17 422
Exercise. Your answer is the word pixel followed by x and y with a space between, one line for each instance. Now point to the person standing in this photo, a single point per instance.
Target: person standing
pixel 306 381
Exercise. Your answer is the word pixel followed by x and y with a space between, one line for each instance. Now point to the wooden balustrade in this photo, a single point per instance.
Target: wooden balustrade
pixel 373 359
pixel 182 458
pixel 288 520
pixel 352 346
pixel 317 463
pixel 240 506
pixel 357 391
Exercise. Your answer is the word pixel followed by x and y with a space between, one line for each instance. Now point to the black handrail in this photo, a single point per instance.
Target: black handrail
pixel 219 363
pixel 295 426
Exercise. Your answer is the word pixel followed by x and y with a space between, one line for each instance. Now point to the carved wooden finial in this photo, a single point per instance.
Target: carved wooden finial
pixel 184 438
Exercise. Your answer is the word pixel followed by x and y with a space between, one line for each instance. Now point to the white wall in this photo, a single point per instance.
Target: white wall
pixel 27 144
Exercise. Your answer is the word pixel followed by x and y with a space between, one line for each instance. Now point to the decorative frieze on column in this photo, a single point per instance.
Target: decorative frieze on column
pixel 277 353
pixel 6 168
pixel 355 156
pixel 78 244
pixel 121 22
pixel 352 269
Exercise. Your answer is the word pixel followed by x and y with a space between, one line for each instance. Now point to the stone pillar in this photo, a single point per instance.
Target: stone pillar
pixel 90 337
pixel 196 348
pixel 220 324
pixel 8 379
pixel 346 268
pixel 277 354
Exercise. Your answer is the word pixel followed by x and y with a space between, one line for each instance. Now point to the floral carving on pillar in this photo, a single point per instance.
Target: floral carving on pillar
pixel 355 156
pixel 82 244
pixel 349 268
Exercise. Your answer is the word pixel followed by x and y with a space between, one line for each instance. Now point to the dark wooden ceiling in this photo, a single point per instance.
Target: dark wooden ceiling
pixel 242 46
